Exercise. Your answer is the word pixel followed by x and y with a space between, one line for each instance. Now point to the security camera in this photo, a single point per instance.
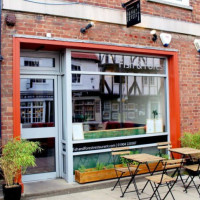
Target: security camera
pixel 166 39
pixel 154 37
pixel 197 44
pixel 83 30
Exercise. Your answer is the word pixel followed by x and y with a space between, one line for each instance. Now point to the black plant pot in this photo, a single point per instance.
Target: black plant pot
pixel 12 193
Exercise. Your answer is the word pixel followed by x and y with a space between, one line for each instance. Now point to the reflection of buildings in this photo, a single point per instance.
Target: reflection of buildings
pixel 37 102
pixel 101 98
pixel 86 97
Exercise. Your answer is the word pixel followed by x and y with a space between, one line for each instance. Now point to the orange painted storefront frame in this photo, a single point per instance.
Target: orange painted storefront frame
pixel 174 100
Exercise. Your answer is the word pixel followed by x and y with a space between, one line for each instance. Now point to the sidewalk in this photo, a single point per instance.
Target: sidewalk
pixel 60 190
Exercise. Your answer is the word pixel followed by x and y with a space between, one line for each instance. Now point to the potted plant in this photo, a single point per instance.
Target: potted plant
pixel 16 156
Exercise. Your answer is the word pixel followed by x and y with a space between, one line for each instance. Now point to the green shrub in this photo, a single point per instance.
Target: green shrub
pixel 82 169
pixel 99 166
pixel 191 140
pixel 166 156
pixel 110 166
pixel 124 161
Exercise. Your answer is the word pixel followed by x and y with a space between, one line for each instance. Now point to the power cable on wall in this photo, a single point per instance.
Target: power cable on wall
pixel 44 3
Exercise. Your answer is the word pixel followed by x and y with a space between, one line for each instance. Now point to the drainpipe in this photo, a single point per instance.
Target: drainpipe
pixel 1 58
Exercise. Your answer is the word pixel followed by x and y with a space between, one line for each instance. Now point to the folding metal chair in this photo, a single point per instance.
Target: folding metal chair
pixel 162 179
pixel 193 171
pixel 172 163
pixel 120 171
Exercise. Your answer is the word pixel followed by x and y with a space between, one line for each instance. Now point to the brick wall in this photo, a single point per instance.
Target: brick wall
pixel 155 9
pixel 39 25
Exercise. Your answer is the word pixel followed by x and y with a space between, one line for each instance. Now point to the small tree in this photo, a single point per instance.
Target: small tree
pixel 16 156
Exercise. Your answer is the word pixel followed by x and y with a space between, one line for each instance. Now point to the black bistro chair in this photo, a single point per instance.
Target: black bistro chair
pixel 156 181
pixel 172 164
pixel 193 171
pixel 120 170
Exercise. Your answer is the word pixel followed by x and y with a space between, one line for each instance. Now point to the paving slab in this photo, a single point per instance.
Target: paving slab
pixel 60 190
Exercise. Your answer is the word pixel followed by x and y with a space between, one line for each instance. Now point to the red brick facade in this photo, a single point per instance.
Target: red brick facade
pixel 60 27
pixel 155 9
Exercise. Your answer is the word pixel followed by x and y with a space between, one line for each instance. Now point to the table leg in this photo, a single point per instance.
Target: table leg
pixel 151 173
pixel 132 180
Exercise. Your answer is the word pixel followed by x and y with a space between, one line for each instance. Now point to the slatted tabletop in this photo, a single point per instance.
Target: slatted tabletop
pixel 185 151
pixel 143 157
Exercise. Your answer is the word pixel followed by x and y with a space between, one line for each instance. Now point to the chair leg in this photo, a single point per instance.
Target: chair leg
pixel 154 191
pixel 118 182
pixel 195 185
pixel 136 189
pixel 169 191
pixel 189 183
pixel 179 174
pixel 145 186
pixel 199 179
pixel 187 179
pixel 196 188
pixel 153 187
pixel 127 187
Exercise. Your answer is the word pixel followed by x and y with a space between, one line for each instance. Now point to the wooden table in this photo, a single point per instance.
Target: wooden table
pixel 184 151
pixel 141 159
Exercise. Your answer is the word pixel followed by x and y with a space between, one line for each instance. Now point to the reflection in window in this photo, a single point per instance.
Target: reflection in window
pixel 32 112
pixel 76 78
pixel 121 104
pixel 37 103
pixel 45 160
pixel 37 62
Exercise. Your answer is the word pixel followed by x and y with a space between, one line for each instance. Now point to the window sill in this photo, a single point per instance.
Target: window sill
pixel 172 4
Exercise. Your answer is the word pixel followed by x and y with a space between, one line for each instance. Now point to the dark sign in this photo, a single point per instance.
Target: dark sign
pixel 133 14
pixel 117 143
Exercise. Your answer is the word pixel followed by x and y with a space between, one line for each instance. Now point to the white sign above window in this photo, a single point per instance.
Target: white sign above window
pixel 182 2
pixel 178 3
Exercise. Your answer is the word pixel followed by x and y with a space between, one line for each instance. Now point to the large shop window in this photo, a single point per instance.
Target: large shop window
pixel 122 95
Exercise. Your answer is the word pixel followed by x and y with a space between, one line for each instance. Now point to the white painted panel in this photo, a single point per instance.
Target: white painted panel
pixel 108 15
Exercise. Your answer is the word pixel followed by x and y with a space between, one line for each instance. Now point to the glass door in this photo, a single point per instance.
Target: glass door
pixel 39 122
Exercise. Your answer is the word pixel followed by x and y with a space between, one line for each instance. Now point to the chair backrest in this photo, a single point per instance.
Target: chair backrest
pixel 119 151
pixel 172 164
pixel 163 146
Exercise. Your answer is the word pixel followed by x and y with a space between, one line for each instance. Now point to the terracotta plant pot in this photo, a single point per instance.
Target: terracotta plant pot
pixel 12 193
